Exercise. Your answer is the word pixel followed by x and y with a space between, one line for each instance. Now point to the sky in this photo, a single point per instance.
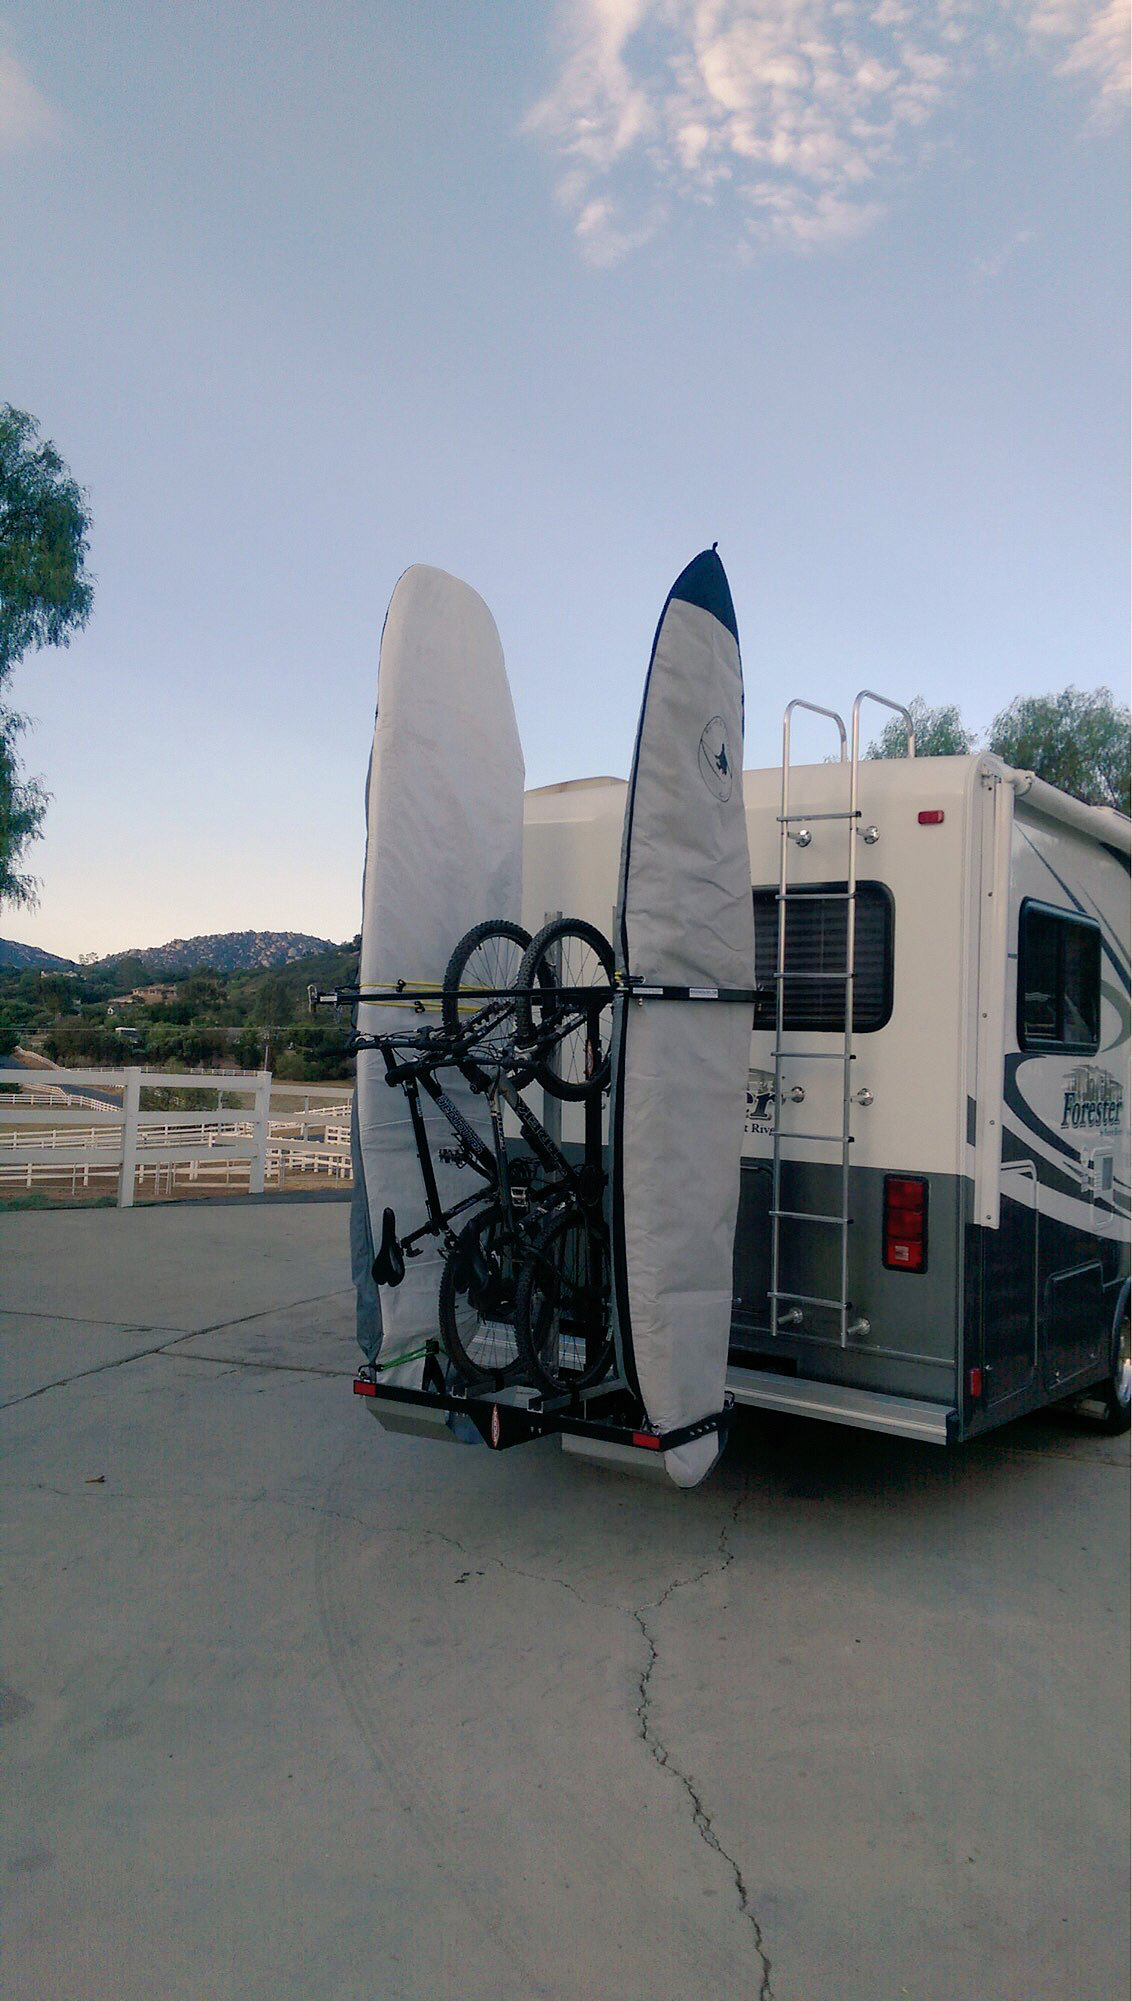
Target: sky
pixel 552 294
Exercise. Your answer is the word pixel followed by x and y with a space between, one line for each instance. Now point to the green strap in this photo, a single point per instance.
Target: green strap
pixel 410 1355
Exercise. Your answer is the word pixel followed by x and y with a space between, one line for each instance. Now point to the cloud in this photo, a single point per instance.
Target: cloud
pixel 805 112
pixel 1098 39
pixel 995 263
pixel 26 118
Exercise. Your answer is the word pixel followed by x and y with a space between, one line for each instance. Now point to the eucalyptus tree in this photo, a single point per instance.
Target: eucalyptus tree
pixel 46 593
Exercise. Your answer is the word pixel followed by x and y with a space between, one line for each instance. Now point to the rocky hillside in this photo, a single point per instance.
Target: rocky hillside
pixel 18 956
pixel 227 951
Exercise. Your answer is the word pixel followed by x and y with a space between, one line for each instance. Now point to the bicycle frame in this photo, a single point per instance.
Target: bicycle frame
pixel 438 1049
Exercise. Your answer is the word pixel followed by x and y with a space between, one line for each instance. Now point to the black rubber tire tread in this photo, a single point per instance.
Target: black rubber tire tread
pixel 536 970
pixel 532 1303
pixel 493 927
pixel 1117 1416
pixel 471 1372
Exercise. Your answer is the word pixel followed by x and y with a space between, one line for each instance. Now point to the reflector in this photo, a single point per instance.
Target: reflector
pixel 905 1223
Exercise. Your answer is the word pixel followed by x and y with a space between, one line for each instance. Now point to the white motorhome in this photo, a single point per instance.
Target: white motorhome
pixel 933 1231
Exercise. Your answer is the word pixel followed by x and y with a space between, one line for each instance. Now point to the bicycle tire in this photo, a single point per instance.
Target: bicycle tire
pixel 562 1322
pixel 567 952
pixel 476 1303
pixel 474 957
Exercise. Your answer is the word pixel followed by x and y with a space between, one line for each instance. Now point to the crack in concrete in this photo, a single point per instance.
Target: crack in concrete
pixel 79 1320
pixel 701 1818
pixel 266 1312
pixel 98 1369
pixel 174 1340
pixel 416 1532
pixel 231 1362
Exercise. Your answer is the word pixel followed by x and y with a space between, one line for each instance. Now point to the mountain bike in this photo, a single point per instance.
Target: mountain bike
pixel 524 1287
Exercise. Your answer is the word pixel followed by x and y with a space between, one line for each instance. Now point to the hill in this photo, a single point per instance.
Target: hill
pixel 225 951
pixel 12 954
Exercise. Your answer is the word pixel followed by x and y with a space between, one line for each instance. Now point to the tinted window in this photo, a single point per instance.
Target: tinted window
pixel 1059 980
pixel 815 948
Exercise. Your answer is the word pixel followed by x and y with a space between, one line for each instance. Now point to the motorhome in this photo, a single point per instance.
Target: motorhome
pixel 933 1229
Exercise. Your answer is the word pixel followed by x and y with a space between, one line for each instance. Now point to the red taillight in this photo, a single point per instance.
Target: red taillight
pixel 648 1438
pixel 905 1223
pixel 975 1383
pixel 932 818
pixel 363 1387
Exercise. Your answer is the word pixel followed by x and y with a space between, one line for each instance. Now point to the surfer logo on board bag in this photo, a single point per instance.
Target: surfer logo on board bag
pixel 715 764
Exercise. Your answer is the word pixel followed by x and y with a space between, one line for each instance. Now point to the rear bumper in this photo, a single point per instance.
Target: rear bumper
pixel 837 1403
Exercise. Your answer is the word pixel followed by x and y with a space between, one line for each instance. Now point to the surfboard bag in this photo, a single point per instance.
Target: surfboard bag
pixel 685 919
pixel 444 812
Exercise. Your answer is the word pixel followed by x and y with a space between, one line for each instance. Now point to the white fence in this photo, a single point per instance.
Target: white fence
pixel 90 1125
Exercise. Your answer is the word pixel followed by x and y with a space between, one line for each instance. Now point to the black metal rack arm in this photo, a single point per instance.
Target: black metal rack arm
pixel 636 988
pixel 502 1423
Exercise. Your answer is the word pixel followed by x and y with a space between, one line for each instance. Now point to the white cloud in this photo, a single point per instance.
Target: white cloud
pixel 991 266
pixel 1098 40
pixel 26 118
pixel 807 110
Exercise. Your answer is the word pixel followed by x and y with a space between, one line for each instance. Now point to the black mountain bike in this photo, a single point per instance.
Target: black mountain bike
pixel 524 1292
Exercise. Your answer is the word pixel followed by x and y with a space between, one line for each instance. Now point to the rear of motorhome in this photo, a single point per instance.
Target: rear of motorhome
pixel 933 1228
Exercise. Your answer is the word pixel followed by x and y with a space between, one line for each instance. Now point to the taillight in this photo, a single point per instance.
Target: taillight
pixel 905 1223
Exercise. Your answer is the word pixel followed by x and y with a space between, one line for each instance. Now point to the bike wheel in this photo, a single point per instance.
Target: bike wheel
pixel 477 1302
pixel 562 1305
pixel 489 955
pixel 570 955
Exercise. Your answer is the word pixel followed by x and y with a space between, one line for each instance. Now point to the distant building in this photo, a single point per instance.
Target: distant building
pixel 156 996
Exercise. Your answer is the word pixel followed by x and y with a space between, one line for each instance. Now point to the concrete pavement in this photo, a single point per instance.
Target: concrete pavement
pixel 296 1708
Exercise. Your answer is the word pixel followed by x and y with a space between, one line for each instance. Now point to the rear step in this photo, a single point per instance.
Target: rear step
pixel 838 1403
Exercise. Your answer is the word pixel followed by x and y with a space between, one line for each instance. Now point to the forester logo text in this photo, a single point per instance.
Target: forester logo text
pixel 1093 1101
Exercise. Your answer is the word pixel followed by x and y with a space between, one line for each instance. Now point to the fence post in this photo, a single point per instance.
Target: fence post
pixel 261 1120
pixel 131 1100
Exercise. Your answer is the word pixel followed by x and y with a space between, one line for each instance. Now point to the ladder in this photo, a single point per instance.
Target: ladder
pixel 787 1309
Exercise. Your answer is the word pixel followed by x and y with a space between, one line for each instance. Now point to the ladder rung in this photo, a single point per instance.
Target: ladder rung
pixel 784 818
pixel 826 895
pixel 843 977
pixel 804 1216
pixel 826 1139
pixel 807 1299
pixel 815 1055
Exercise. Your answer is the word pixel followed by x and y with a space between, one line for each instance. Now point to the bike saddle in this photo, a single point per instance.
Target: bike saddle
pixel 389 1264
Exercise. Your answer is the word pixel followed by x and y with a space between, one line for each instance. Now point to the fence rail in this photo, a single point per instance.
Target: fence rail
pixel 95 1141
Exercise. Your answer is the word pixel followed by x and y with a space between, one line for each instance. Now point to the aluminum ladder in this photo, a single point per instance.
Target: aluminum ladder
pixel 795 830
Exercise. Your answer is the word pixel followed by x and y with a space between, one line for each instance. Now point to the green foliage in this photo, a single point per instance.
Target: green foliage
pixel 314 1053
pixel 939 733
pixel 9 1035
pixel 216 1018
pixel 1077 741
pixel 247 1049
pixel 23 803
pixel 45 596
pixel 80 1045
pixel 1074 740
pixel 45 592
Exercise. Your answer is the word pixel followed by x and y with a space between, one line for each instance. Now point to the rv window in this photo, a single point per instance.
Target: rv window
pixel 815 945
pixel 1059 980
